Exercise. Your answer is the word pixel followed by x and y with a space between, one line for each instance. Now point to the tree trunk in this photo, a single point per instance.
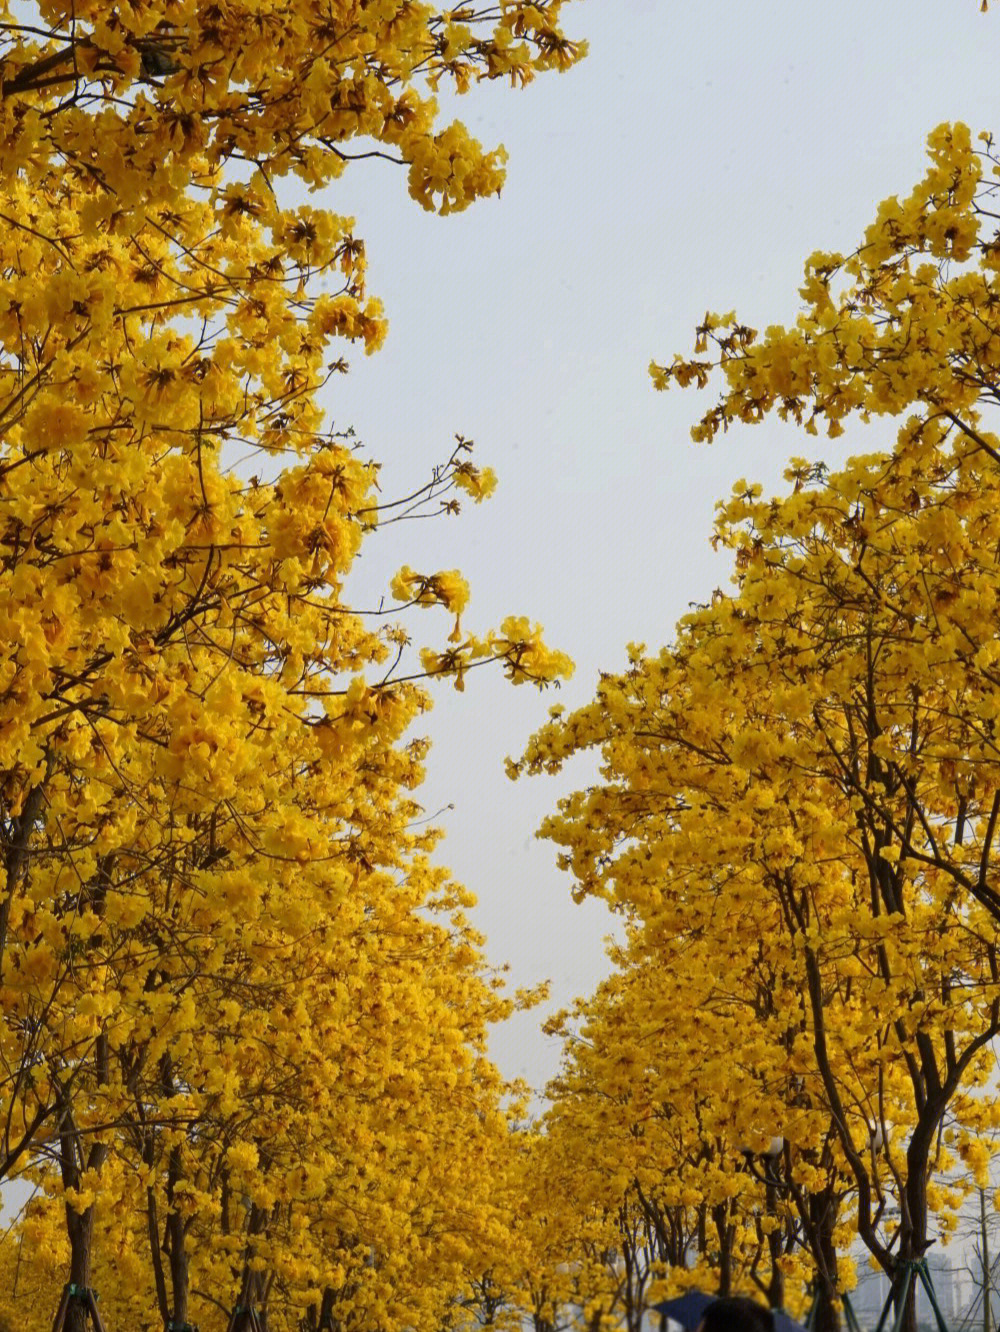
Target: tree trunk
pixel 724 1231
pixel 79 1225
pixel 909 1323
pixel 251 1286
pixel 177 1236
pixel 822 1218
pixel 776 1280
pixel 326 1323
pixel 540 1322
pixel 826 1317
pixel 913 1216
pixel 984 1239
pixel 902 1290
pixel 80 1229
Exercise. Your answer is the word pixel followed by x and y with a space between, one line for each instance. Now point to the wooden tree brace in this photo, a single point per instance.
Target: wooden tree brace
pixel 916 1269
pixel 84 1295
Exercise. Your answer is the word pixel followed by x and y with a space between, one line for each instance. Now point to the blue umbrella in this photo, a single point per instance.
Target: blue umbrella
pixel 782 1323
pixel 686 1309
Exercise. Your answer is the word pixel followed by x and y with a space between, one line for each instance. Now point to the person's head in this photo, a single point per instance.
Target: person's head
pixel 736 1313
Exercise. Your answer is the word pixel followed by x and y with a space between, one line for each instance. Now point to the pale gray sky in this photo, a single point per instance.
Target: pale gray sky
pixel 692 162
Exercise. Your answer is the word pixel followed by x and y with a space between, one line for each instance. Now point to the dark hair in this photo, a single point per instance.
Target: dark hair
pixel 737 1313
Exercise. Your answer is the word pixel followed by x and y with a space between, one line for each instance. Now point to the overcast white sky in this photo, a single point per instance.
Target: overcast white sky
pixel 692 162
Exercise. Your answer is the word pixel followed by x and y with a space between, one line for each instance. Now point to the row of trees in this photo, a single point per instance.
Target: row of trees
pixel 243 1065
pixel 242 1047
pixel 798 813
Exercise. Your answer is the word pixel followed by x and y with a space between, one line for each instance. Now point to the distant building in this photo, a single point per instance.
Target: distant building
pixel 868 1300
pixel 945 1281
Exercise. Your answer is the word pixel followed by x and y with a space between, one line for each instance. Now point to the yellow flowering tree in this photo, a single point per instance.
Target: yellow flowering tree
pixel 818 747
pixel 798 772
pixel 742 1192
pixel 216 917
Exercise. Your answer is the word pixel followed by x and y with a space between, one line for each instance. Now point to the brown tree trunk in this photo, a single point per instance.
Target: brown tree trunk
pixel 724 1231
pixel 541 1321
pixel 80 1229
pixel 984 1253
pixel 326 1323
pixel 913 1212
pixel 776 1280
pixel 177 1239
pixel 909 1323
pixel 818 1214
pixel 79 1225
pixel 827 1315
pixel 252 1289
pixel 72 1165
